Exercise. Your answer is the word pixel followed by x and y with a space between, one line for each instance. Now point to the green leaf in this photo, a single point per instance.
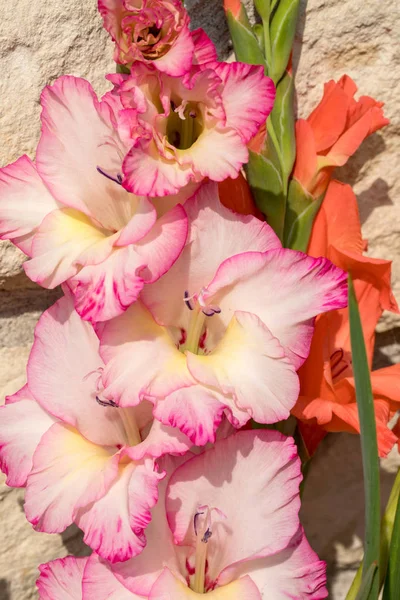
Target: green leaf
pixel 245 43
pixel 282 31
pixel 282 118
pixel 369 446
pixel 301 210
pixel 391 591
pixel 367 583
pixel 265 180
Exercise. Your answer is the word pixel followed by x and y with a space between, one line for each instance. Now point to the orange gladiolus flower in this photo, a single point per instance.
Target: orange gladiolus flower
pixel 333 132
pixel 327 399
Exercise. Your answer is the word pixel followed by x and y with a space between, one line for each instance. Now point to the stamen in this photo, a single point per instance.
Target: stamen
pixel 336 357
pixel 195 519
pixel 180 110
pixel 106 402
pixel 206 536
pixel 117 179
pixel 188 300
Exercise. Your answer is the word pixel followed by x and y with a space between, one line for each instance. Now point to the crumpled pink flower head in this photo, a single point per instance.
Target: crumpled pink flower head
pixel 155 32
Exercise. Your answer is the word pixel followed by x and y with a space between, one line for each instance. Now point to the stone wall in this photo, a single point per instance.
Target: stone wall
pixel 42 40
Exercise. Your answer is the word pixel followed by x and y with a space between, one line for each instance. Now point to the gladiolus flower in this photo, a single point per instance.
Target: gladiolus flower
pixel 71 215
pixel 182 130
pixel 225 330
pixel 212 535
pixel 333 132
pixel 327 394
pixel 81 459
pixel 155 32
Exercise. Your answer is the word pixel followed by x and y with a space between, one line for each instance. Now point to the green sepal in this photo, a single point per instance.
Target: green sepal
pixel 301 210
pixel 282 117
pixel 263 9
pixel 265 180
pixel 123 69
pixel 282 31
pixel 258 31
pixel 245 43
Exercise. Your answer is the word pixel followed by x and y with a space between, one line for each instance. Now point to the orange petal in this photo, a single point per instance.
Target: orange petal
pixel 236 195
pixel 328 119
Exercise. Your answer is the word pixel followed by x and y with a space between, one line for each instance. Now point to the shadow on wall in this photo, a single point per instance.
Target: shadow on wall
pixel 333 502
pixel 210 16
pixel 5 593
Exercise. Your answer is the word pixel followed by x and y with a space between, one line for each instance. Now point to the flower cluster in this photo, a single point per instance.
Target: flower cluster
pixel 181 323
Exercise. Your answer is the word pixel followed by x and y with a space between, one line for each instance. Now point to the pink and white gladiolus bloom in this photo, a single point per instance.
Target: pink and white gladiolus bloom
pixel 80 459
pixel 212 535
pixel 155 32
pixel 70 214
pixel 225 330
pixel 181 130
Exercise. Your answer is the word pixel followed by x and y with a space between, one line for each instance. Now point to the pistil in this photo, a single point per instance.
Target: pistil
pixel 195 329
pixel 130 426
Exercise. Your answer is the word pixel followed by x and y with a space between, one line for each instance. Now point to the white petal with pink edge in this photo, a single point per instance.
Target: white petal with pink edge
pixel 140 573
pixel 267 461
pixel 65 241
pixel 23 422
pixel 68 473
pixel 178 60
pixel 217 154
pixel 285 289
pixel 204 49
pixel 114 525
pixel 149 174
pixel 250 364
pixel 248 96
pixel 104 291
pixel 195 410
pixel 66 349
pixel 296 572
pixel 25 201
pixel 99 582
pixel 216 233
pixel 61 579
pixel 141 358
pixel 167 586
pixel 78 137
pixel 160 440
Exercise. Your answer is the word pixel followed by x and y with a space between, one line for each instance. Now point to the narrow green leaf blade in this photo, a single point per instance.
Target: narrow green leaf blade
pixel 364 593
pixel 386 536
pixel 369 446
pixel 391 591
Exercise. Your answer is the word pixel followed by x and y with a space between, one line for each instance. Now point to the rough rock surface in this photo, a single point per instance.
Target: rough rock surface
pixel 42 40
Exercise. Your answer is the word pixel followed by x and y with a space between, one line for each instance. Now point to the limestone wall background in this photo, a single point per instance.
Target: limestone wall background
pixel 42 40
